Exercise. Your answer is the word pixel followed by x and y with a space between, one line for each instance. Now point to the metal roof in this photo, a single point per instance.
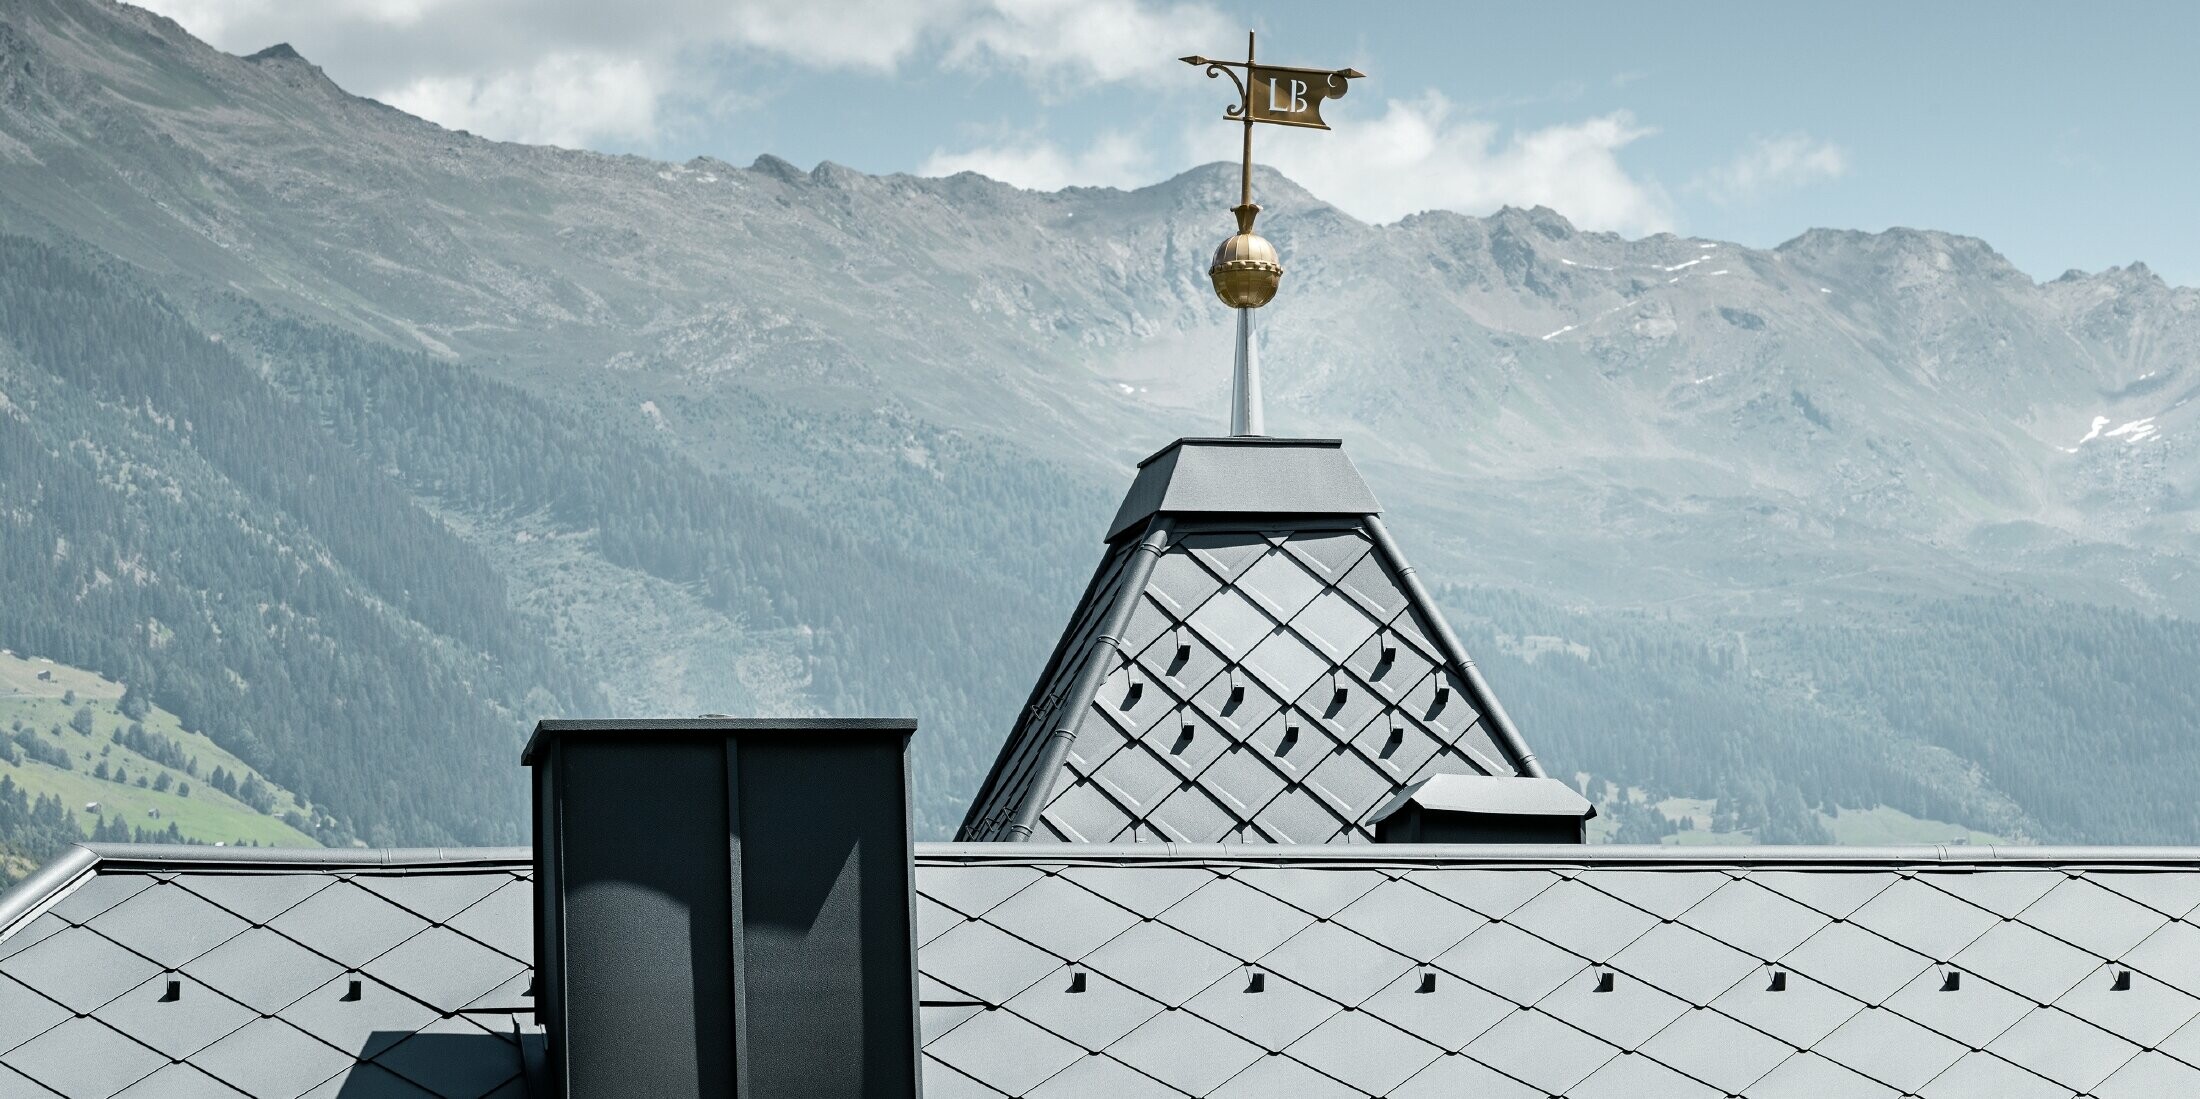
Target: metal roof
pixel 1070 970
pixel 1252 661
pixel 1244 475
pixel 184 972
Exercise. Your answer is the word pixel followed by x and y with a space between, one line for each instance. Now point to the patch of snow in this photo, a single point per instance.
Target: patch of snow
pixel 1560 332
pixel 1707 247
pixel 1126 388
pixel 1823 290
pixel 2137 431
pixel 656 417
pixel 1700 381
pixel 1688 264
pixel 2099 422
pixel 1721 271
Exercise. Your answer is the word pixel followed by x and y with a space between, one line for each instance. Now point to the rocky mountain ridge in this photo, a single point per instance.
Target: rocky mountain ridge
pixel 1729 438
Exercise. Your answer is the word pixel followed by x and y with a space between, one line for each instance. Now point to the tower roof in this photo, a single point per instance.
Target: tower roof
pixel 1252 661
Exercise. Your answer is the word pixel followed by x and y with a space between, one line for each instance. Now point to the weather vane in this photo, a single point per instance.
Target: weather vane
pixel 1246 271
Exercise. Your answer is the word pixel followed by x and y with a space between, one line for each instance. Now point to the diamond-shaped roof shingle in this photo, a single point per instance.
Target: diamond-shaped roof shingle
pixel 1087 971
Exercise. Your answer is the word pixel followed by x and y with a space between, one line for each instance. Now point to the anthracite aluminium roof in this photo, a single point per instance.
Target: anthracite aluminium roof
pixel 1253 661
pixel 1120 971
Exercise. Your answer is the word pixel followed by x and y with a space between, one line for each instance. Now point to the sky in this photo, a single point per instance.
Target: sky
pixel 2061 134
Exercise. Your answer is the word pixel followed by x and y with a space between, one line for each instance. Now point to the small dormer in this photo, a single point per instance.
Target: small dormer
pixel 1479 809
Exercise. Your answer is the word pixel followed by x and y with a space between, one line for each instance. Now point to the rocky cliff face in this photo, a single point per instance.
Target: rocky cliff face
pixel 1718 433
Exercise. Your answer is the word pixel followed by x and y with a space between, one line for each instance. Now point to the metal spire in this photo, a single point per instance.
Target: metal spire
pixel 1246 271
pixel 1245 381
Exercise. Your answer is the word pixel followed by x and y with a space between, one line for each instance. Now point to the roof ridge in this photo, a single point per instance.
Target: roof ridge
pixel 1559 856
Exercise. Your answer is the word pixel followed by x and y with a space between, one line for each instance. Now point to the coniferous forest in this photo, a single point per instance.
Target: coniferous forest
pixel 252 532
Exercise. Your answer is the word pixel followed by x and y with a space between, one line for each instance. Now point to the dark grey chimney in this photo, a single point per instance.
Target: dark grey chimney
pixel 1478 809
pixel 722 907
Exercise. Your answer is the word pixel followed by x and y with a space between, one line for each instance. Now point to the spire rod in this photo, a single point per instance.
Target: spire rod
pixel 1245 418
pixel 1245 100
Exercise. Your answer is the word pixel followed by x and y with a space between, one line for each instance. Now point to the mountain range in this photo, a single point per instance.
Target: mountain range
pixel 359 443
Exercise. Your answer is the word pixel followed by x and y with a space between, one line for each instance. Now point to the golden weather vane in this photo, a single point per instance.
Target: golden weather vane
pixel 1246 270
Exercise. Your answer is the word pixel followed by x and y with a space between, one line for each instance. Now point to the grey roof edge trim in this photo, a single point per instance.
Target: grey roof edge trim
pixel 1195 476
pixel 1485 700
pixel 1239 440
pixel 981 800
pixel 160 855
pixel 46 884
pixel 559 726
pixel 1132 589
pixel 1560 855
pixel 82 861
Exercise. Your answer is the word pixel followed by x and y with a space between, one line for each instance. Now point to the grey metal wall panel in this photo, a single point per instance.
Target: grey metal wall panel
pixel 647 934
pixel 824 865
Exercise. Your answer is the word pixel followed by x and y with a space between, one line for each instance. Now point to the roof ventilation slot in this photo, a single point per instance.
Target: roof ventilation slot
pixel 1428 979
pixel 1076 980
pixel 1779 982
pixel 1290 740
pixel 173 991
pixel 352 993
pixel 2121 982
pixel 1604 980
pixel 1339 692
pixel 1256 981
pixel 1952 981
pixel 1237 687
pixel 1183 740
pixel 1183 648
pixel 1443 696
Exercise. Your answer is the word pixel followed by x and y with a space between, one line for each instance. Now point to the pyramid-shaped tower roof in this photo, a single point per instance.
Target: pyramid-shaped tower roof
pixel 1253 661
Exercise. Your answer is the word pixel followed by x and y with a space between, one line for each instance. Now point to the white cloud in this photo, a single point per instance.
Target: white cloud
pixel 856 34
pixel 578 71
pixel 1773 164
pixel 1417 156
pixel 1115 160
pixel 564 99
pixel 1106 40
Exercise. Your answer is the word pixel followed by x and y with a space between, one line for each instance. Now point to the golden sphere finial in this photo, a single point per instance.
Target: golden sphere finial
pixel 1246 271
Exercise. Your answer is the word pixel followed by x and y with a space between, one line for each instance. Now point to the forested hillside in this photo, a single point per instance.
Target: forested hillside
pixel 2007 714
pixel 173 522
pixel 255 541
